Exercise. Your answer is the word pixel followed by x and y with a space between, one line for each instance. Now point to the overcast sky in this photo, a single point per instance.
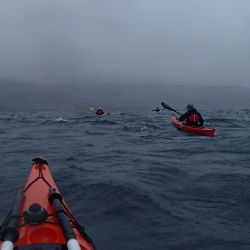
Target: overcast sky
pixel 126 41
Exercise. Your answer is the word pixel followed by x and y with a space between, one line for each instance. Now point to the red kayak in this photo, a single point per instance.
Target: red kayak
pixel 40 218
pixel 191 129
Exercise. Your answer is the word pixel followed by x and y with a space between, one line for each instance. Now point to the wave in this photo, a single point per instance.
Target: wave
pixel 118 199
pixel 60 119
pixel 133 128
pixel 103 122
pixel 223 122
pixel 227 189
pixel 97 133
pixel 6 119
pixel 150 126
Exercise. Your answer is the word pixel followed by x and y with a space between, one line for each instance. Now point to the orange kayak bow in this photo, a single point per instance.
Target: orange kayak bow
pixel 40 218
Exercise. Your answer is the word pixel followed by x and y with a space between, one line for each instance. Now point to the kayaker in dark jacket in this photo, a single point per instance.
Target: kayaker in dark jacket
pixel 157 109
pixel 192 116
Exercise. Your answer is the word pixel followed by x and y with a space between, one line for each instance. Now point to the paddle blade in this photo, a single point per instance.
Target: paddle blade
pixel 166 106
pixel 92 109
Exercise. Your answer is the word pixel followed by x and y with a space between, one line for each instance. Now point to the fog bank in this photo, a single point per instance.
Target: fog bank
pixel 16 95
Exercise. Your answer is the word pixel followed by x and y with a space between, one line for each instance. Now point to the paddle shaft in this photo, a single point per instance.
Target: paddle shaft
pixel 10 234
pixel 55 199
pixel 166 106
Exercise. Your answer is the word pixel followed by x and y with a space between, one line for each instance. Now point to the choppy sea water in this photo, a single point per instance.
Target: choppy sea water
pixel 135 181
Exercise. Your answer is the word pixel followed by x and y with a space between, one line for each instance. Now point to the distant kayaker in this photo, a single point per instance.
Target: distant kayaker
pixel 99 111
pixel 192 116
pixel 157 109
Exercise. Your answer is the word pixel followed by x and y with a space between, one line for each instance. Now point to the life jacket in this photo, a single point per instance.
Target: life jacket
pixel 99 112
pixel 193 118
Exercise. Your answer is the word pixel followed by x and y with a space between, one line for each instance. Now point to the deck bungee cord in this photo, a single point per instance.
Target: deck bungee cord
pixel 40 217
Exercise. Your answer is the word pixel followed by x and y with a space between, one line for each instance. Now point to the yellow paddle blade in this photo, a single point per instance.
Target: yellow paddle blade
pixel 92 109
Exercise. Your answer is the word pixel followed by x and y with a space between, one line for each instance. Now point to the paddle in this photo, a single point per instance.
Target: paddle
pixel 10 234
pixel 55 200
pixel 166 106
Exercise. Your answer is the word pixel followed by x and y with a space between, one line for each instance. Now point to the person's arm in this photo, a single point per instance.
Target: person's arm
pixel 201 121
pixel 182 117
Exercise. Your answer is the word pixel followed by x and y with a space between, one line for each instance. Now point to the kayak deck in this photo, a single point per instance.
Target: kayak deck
pixel 48 233
pixel 191 129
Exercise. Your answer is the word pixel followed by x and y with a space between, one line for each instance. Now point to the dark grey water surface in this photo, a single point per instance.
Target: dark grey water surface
pixel 136 182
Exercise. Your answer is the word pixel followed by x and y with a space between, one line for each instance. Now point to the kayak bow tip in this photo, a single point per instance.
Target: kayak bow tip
pixel 39 160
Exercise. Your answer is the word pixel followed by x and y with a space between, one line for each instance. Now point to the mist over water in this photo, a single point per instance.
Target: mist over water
pixel 179 42
pixel 73 96
pixel 135 181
